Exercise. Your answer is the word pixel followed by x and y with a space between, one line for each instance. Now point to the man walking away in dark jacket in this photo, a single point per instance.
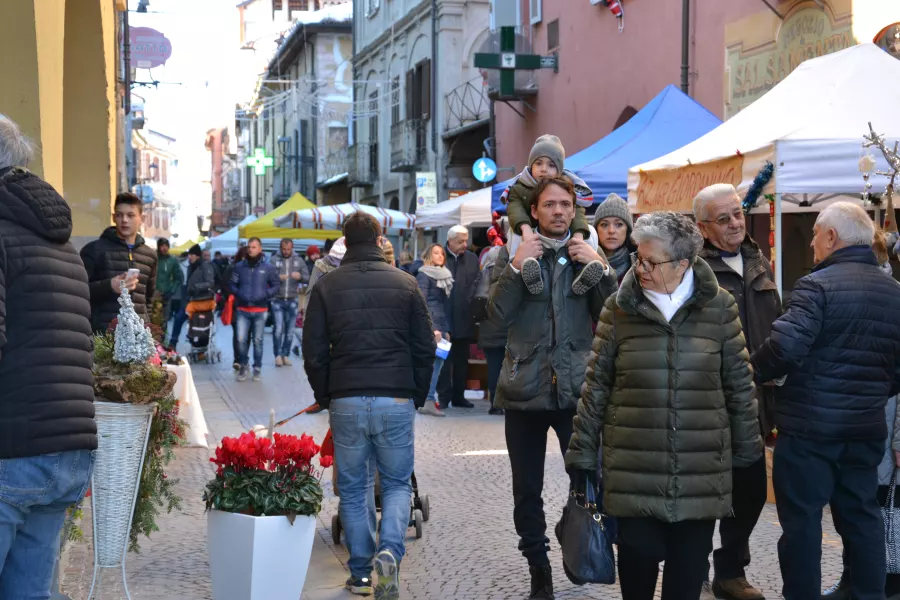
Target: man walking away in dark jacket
pixel 368 351
pixel 47 429
pixel 741 269
pixel 292 271
pixel 254 282
pixel 838 344
pixel 108 260
pixel 549 341
pixel 463 265
pixel 169 277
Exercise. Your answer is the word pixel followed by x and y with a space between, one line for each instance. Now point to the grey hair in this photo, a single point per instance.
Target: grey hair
pixel 456 231
pixel 852 224
pixel 677 232
pixel 16 150
pixel 707 195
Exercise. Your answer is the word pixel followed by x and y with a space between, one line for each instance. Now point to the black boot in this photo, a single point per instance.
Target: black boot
pixel 541 583
pixel 839 591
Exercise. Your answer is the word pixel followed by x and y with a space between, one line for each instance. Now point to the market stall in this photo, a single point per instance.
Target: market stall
pixel 472 209
pixel 332 217
pixel 669 121
pixel 265 226
pixel 810 127
pixel 227 243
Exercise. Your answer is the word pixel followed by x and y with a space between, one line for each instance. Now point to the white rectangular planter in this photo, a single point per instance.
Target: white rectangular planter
pixel 258 558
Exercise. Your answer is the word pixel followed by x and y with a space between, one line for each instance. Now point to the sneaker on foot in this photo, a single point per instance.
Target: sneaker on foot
pixel 531 275
pixel 430 408
pixel 242 373
pixel 361 586
pixel 388 570
pixel 236 366
pixel 706 592
pixel 279 361
pixel 735 589
pixel 590 276
pixel 257 375
pixel 285 361
pixel 839 591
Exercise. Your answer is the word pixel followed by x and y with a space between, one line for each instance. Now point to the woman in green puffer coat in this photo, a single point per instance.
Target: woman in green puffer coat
pixel 669 394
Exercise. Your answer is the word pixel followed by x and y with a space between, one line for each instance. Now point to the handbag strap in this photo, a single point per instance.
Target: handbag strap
pixel 891 487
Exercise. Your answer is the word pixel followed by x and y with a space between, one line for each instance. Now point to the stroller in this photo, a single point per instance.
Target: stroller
pixel 419 508
pixel 201 335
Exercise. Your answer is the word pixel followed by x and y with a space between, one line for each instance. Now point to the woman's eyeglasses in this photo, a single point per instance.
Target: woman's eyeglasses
pixel 648 265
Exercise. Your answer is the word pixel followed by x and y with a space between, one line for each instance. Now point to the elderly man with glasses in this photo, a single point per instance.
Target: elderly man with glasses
pixel 742 269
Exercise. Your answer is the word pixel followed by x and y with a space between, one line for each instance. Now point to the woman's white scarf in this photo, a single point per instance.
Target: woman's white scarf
pixel 441 275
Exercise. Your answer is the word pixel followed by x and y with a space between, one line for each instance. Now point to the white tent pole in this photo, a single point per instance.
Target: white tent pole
pixel 415 244
pixel 779 247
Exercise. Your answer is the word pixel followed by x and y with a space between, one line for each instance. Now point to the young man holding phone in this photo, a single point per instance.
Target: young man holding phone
pixel 120 258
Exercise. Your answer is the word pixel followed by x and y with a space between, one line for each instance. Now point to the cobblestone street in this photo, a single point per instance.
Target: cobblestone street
pixel 469 547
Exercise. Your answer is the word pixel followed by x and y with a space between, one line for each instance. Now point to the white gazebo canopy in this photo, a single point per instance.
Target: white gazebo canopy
pixel 228 242
pixel 469 209
pixel 332 217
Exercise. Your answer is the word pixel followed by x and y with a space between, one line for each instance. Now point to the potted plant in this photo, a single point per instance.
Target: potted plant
pixel 262 507
pixel 137 428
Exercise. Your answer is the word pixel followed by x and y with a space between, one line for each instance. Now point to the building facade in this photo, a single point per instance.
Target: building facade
pixel 156 182
pixel 419 103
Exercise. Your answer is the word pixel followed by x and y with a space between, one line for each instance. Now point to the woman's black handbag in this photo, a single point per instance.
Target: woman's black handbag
pixel 586 537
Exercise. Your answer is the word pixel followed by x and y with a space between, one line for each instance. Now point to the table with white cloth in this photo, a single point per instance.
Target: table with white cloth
pixel 189 405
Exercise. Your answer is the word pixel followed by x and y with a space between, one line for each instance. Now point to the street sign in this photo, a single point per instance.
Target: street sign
pixel 484 169
pixel 426 189
pixel 259 161
pixel 149 48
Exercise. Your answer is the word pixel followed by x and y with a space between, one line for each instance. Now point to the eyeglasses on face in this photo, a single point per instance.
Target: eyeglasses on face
pixel 648 265
pixel 724 220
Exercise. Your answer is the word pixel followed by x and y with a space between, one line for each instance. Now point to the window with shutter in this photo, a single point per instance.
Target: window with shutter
pixel 426 89
pixel 553 35
pixel 535 8
pixel 395 101
pixel 410 88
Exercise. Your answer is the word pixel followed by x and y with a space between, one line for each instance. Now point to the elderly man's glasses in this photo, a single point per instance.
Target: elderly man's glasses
pixel 648 265
pixel 724 220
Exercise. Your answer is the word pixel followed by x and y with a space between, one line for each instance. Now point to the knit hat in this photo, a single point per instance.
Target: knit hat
pixel 614 206
pixel 196 250
pixel 338 249
pixel 313 249
pixel 549 146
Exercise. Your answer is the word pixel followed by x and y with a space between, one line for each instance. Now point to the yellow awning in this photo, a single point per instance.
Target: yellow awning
pixel 184 247
pixel 264 227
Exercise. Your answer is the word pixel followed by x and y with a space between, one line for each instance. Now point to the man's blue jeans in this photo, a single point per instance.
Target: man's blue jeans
pixel 435 375
pixel 383 428
pixel 34 494
pixel 285 315
pixel 248 322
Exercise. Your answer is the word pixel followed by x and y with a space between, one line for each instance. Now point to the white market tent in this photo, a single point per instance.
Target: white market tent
pixel 469 209
pixel 227 243
pixel 332 217
pixel 810 126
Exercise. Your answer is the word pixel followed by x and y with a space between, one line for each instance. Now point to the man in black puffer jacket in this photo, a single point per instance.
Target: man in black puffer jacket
pixel 368 351
pixel 108 259
pixel 47 429
pixel 839 346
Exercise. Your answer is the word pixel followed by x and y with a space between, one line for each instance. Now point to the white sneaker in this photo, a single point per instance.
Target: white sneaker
pixel 285 361
pixel 279 361
pixel 430 408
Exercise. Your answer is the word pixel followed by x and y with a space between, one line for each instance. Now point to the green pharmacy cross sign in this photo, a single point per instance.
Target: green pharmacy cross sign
pixel 259 161
pixel 509 62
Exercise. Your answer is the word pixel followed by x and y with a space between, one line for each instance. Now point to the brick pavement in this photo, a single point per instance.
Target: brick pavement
pixel 469 547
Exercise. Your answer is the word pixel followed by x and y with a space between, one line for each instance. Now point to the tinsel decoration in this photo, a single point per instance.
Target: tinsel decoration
pixel 134 343
pixel 756 188
pixel 771 200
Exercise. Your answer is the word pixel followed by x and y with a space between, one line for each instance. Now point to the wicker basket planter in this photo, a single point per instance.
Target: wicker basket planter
pixel 122 432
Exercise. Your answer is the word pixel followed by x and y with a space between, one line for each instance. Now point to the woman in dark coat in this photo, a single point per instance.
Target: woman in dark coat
pixel 436 283
pixel 614 225
pixel 669 394
pixel 226 289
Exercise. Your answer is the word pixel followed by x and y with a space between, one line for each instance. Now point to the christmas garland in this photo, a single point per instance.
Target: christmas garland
pixel 756 188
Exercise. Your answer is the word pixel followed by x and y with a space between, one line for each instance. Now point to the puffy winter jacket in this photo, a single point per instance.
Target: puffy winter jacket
pixel 672 402
pixel 109 257
pixel 46 384
pixel 290 287
pixel 549 334
pixel 839 345
pixel 201 281
pixel 254 283
pixel 437 301
pixel 464 269
pixel 367 331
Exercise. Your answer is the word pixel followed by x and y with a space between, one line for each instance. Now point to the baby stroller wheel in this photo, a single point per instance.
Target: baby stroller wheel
pixel 336 529
pixel 426 508
pixel 419 521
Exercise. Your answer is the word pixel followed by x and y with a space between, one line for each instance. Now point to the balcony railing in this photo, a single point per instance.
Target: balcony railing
pixel 336 163
pixel 467 105
pixel 409 148
pixel 362 168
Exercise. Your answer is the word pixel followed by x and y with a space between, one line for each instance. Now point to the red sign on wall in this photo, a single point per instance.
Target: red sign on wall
pixel 149 48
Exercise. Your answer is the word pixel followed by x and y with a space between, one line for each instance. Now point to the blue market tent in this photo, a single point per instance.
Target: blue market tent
pixel 668 122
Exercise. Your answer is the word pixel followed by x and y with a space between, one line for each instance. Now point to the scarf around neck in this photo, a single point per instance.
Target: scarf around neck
pixel 441 275
pixel 552 243
pixel 619 260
